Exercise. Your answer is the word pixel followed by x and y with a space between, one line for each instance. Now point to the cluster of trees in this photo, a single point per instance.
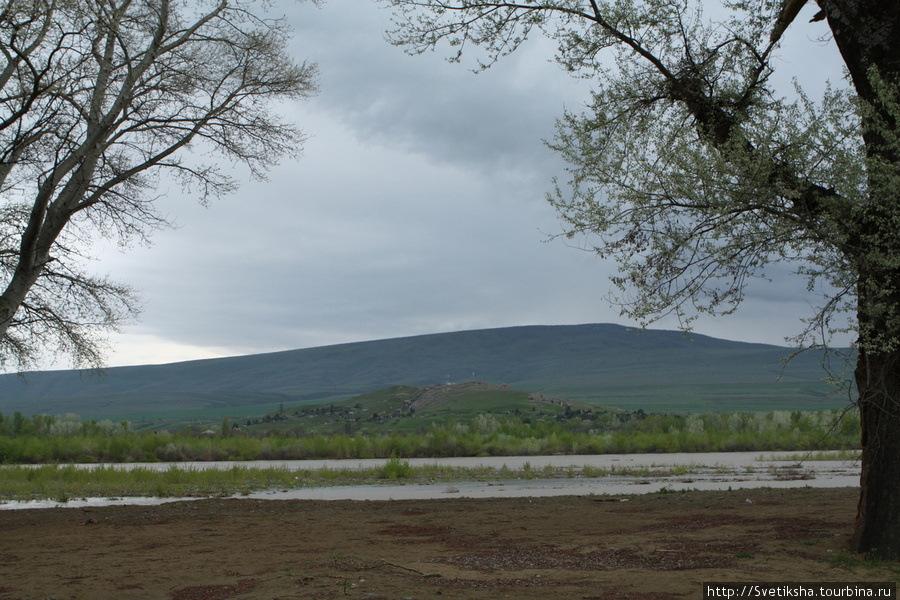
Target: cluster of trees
pixel 68 425
pixel 66 439
pixel 266 419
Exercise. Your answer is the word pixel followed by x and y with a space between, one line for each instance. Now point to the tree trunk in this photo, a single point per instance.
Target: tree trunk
pixel 867 33
pixel 878 516
pixel 13 296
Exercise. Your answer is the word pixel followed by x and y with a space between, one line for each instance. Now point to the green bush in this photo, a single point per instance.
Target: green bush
pixel 47 439
pixel 395 468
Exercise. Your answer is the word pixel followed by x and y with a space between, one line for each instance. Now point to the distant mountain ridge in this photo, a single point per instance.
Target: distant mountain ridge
pixel 599 363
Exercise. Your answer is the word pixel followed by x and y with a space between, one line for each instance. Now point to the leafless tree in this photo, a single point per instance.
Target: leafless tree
pixel 99 99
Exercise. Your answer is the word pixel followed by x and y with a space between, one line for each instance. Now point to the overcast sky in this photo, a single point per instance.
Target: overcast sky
pixel 418 207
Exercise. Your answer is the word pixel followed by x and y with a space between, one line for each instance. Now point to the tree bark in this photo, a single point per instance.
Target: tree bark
pixel 867 33
pixel 878 515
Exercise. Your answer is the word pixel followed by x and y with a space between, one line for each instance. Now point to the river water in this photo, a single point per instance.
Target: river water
pixel 701 471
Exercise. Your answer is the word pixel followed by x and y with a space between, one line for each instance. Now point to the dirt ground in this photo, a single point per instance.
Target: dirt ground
pixel 637 547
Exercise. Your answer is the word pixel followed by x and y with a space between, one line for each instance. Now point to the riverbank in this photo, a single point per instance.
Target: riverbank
pixel 649 546
pixel 36 486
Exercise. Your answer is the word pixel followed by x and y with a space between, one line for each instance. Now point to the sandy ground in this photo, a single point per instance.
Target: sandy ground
pixel 589 547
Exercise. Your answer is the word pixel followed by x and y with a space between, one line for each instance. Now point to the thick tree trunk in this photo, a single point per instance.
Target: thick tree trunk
pixel 867 33
pixel 878 517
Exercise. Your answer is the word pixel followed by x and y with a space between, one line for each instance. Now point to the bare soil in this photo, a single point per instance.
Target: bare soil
pixel 637 547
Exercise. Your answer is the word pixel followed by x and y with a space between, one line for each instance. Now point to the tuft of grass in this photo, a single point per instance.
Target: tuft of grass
pixel 395 468
pixel 844 559
pixel 819 455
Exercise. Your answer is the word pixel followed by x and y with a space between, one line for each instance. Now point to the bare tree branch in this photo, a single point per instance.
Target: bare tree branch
pixel 98 98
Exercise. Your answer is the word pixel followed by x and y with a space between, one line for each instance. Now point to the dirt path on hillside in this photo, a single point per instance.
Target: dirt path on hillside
pixel 639 547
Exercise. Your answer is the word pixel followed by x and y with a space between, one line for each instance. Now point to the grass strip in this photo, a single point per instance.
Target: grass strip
pixel 65 482
pixel 817 455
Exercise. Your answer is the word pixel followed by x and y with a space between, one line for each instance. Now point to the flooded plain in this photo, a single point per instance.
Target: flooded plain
pixel 631 474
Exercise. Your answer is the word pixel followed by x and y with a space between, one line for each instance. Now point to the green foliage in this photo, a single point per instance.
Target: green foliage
pixel 39 441
pixel 689 168
pixel 395 468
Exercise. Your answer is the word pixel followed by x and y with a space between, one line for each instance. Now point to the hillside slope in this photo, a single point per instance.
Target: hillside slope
pixel 609 364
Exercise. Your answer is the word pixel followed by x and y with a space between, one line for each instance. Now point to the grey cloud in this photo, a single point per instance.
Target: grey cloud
pixel 418 207
pixel 424 103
